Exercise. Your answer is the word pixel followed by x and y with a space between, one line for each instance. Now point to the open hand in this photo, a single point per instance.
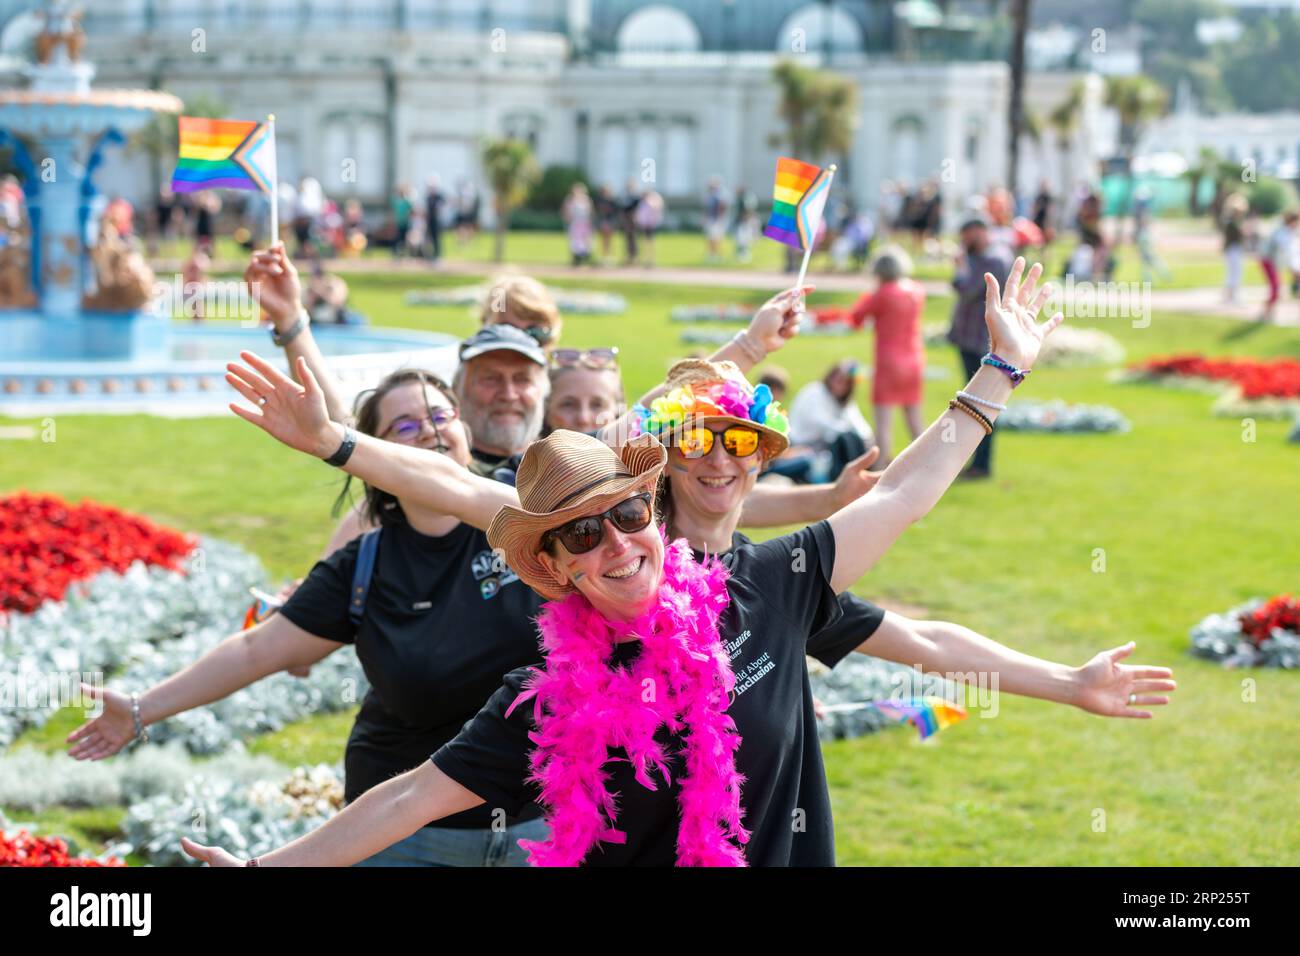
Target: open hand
pixel 856 480
pixel 211 855
pixel 1105 685
pixel 1012 315
pixel 290 413
pixel 106 734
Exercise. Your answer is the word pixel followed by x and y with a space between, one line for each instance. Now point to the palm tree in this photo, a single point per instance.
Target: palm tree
pixel 512 171
pixel 819 109
pixel 1138 99
pixel 1016 108
pixel 1064 120
pixel 1206 164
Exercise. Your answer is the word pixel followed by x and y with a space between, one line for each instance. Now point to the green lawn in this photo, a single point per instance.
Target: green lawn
pixel 1187 269
pixel 1192 520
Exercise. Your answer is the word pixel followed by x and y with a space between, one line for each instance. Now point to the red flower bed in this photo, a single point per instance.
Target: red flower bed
pixel 47 544
pixel 27 850
pixel 1279 378
pixel 1282 611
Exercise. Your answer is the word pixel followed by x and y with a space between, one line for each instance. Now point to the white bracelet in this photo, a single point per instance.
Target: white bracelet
pixel 982 401
pixel 748 346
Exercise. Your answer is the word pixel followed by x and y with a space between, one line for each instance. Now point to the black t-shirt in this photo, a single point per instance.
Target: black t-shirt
pixel 858 620
pixel 782 607
pixel 444 620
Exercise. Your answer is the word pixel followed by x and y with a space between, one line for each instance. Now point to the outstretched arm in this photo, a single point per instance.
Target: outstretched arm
pixel 1101 686
pixel 916 480
pixel 296 416
pixel 771 506
pixel 239 660
pixel 379 818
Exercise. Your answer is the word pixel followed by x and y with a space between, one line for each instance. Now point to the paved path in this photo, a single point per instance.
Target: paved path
pixel 1199 301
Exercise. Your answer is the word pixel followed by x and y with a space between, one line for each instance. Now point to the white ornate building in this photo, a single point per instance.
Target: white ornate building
pixel 371 93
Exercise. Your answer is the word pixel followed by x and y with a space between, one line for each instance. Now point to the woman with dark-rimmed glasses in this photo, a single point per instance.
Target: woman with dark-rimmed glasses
pixel 443 619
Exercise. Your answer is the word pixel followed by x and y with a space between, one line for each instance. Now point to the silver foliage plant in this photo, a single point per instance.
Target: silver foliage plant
pixel 145 625
pixel 246 819
pixel 1057 416
pixel 1218 637
pixel 31 780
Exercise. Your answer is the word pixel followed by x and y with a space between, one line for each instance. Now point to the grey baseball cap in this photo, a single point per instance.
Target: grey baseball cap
pixel 496 338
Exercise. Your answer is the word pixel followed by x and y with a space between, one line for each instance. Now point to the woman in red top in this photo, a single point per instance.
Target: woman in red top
pixel 896 307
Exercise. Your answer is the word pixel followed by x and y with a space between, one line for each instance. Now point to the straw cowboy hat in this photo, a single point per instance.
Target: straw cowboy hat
pixel 565 476
pixel 701 376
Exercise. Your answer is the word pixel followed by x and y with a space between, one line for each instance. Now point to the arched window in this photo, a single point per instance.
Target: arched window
pixel 679 160
pixel 615 155
pixel 523 126
pixel 658 29
pixel 352 148
pixel 807 29
pixel 905 135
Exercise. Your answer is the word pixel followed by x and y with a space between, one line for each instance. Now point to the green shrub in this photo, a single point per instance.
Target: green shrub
pixel 548 195
pixel 1268 197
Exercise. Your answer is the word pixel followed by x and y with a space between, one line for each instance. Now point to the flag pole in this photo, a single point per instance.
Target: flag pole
pixel 275 184
pixel 812 240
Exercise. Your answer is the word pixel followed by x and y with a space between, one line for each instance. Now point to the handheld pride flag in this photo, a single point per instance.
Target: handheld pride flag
pixel 227 154
pixel 799 197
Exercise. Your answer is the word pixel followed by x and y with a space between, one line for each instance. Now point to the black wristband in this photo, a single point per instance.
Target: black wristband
pixel 340 457
pixel 291 333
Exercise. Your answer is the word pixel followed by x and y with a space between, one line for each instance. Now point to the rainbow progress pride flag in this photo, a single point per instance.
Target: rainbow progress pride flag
pixel 928 715
pixel 799 198
pixel 224 154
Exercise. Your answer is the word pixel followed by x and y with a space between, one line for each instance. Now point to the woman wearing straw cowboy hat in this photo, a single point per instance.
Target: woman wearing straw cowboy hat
pixel 643 644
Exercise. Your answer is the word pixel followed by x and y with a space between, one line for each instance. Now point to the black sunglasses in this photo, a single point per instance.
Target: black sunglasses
pixel 582 534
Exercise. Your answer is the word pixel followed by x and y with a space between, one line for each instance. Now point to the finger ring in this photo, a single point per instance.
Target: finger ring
pixel 261 399
pixel 1132 698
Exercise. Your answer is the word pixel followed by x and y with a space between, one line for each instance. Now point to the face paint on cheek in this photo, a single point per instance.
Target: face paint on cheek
pixel 751 469
pixel 677 467
pixel 576 574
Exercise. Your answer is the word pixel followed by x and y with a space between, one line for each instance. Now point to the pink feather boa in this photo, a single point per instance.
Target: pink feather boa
pixel 582 707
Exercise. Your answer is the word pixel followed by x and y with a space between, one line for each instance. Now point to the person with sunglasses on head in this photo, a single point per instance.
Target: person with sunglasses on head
pixel 672 720
pixel 441 619
pixel 586 390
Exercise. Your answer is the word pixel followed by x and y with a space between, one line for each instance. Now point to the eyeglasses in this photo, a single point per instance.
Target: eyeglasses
pixel 408 429
pixel 589 358
pixel 582 534
pixel 696 441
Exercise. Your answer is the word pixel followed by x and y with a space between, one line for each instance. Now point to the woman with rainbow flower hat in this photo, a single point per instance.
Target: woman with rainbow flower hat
pixel 672 721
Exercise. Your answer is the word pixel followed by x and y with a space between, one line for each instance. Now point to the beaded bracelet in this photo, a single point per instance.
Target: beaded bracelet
pixel 962 406
pixel 996 406
pixel 988 422
pixel 1015 374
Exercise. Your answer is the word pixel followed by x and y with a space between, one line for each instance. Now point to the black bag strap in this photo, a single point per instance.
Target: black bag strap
pixel 361 575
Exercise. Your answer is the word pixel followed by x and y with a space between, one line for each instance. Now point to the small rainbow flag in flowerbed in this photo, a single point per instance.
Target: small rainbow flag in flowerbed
pixel 799 197
pixel 225 154
pixel 928 715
